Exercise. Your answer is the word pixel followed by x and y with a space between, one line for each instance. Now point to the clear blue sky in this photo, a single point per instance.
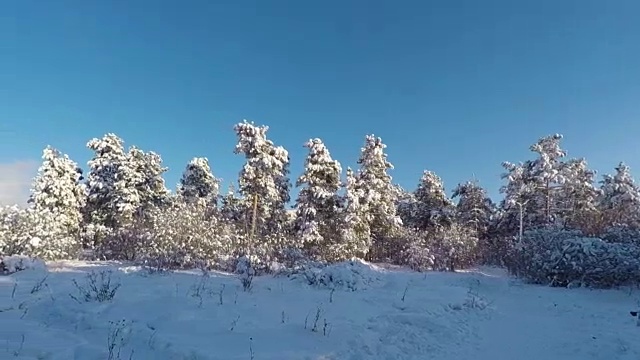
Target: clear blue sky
pixel 455 87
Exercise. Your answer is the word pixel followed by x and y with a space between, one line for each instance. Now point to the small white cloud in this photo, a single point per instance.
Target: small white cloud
pixel 15 181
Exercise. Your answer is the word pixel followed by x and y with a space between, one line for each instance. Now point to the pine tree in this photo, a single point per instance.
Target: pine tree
pixel 57 188
pixel 231 208
pixel 147 169
pixel 620 201
pixel 355 219
pixel 124 191
pixel 379 194
pixel 433 208
pixel 318 203
pixel 50 227
pixel 513 216
pixel 534 189
pixel 578 200
pixel 198 182
pixel 547 178
pixel 263 181
pixel 121 185
pixel 474 208
pixel 406 207
pixel 112 197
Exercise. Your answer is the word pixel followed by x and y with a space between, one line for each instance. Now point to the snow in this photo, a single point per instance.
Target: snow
pixel 476 314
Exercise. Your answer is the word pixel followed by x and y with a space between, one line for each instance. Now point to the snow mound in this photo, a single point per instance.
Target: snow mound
pixel 351 275
pixel 15 263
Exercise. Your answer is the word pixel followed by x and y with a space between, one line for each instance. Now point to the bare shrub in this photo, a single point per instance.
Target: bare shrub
pixel 97 287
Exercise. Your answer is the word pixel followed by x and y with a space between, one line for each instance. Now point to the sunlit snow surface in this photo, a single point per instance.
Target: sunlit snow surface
pixel 480 314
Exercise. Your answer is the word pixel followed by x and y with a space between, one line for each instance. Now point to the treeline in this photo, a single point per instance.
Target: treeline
pixel 121 209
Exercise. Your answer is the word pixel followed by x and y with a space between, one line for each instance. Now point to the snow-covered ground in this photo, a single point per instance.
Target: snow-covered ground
pixel 391 314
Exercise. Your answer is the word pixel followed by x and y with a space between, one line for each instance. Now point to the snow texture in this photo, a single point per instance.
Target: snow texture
pixel 477 314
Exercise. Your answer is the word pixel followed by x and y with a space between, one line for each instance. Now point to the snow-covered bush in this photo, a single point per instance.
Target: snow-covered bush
pixel 349 275
pixel 443 249
pixel 265 261
pixel 594 262
pixel 188 234
pixel 292 257
pixel 287 260
pixel 35 233
pixel 15 263
pixel 124 243
pixel 415 252
pixel 177 234
pixel 246 271
pixel 622 234
pixel 564 257
pixel 453 248
pixel 418 257
pixel 529 258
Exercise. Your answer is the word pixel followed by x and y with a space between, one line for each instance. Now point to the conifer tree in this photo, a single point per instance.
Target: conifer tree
pixel 148 181
pixel 547 179
pixel 474 208
pixel 112 198
pixel 578 200
pixel 318 203
pixel 57 188
pixel 378 194
pixel 620 200
pixel 356 218
pixel 198 182
pixel 57 199
pixel 263 182
pixel 433 208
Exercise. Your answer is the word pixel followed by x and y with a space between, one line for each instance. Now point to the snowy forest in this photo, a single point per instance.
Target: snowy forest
pixel 558 223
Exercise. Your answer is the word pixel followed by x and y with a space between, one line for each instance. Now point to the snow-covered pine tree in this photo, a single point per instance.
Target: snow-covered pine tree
pixel 405 207
pixel 514 215
pixel 49 227
pixel 124 188
pixel 58 193
pixel 379 194
pixel 547 178
pixel 578 200
pixel 112 197
pixel 433 208
pixel 355 219
pixel 620 200
pixel 474 212
pixel 148 182
pixel 318 203
pixel 231 207
pixel 264 184
pixel 474 208
pixel 534 187
pixel 198 182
